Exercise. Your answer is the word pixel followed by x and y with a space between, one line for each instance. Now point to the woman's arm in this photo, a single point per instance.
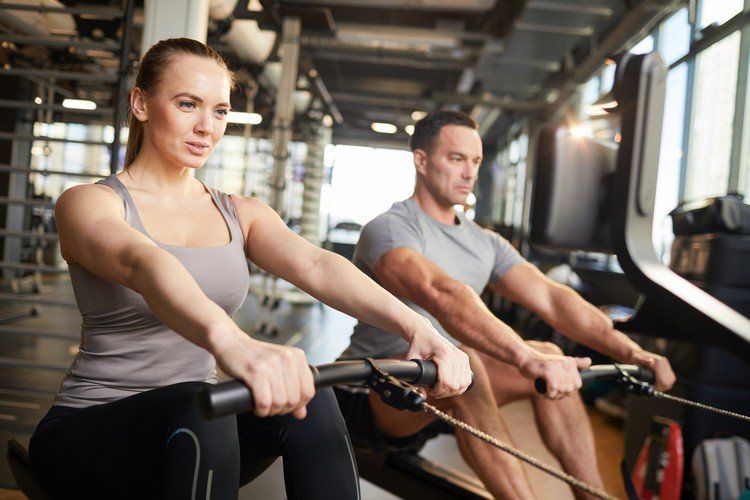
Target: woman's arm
pixel 93 233
pixel 338 283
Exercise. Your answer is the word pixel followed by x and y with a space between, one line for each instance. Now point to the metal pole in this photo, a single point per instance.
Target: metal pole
pixel 313 181
pixel 739 131
pixel 284 109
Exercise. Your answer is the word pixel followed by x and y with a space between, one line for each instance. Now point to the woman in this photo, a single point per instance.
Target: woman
pixel 158 264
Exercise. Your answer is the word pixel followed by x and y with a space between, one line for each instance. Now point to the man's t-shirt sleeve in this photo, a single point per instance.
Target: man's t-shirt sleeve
pixel 383 234
pixel 506 256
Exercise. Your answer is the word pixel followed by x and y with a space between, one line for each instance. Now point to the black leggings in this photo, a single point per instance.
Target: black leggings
pixel 156 445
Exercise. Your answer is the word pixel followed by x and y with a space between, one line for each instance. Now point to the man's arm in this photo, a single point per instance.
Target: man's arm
pixel 337 282
pixel 407 273
pixel 562 308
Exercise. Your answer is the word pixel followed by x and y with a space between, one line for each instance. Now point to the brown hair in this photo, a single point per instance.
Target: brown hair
pixel 428 128
pixel 150 70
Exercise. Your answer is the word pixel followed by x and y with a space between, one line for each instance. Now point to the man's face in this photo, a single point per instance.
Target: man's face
pixel 450 168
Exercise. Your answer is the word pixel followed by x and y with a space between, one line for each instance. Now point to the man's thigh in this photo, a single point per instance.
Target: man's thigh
pixel 496 384
pixel 396 423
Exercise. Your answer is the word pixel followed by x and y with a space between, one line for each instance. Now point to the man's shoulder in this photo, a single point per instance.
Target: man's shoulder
pixel 473 227
pixel 399 213
pixel 402 208
pixel 391 229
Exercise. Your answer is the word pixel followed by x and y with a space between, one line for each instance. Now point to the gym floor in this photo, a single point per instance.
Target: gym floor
pixel 35 351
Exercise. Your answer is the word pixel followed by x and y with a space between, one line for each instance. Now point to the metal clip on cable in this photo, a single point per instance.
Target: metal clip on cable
pixel 393 392
pixel 632 384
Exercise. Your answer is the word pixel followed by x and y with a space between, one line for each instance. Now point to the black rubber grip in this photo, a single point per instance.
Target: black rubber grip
pixel 601 373
pixel 235 397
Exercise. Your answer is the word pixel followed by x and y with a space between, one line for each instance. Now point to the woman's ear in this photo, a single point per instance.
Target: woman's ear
pixel 138 104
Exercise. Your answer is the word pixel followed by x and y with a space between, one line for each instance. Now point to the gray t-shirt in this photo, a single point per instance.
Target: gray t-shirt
pixel 465 251
pixel 125 349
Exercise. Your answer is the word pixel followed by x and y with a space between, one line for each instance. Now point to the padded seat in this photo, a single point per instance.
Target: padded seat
pixel 18 458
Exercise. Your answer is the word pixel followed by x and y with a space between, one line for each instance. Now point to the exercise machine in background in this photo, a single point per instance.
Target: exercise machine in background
pixel 599 197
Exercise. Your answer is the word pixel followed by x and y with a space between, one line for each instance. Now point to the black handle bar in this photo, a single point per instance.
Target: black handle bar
pixel 602 373
pixel 235 397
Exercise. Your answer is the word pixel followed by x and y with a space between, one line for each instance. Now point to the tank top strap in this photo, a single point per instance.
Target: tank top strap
pixel 131 213
pixel 224 202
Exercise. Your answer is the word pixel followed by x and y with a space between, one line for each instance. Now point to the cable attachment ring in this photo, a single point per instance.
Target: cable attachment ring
pixel 394 392
pixel 632 384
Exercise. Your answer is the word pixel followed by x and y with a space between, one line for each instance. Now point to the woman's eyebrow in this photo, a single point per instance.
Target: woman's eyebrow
pixel 199 99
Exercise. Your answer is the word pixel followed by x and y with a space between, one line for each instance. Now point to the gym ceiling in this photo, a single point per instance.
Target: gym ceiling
pixel 366 61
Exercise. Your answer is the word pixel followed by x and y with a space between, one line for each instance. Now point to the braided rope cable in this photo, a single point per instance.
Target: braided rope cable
pixel 659 394
pixel 517 453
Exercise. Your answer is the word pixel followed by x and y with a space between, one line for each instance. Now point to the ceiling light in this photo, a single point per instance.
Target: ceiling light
pixel 418 115
pixel 327 121
pixel 409 129
pixel 78 104
pixel 244 118
pixel 38 100
pixel 384 128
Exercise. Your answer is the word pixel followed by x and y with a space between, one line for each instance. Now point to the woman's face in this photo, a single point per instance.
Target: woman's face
pixel 186 114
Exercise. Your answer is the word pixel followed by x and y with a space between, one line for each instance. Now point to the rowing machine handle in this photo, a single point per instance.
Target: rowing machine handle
pixel 601 373
pixel 235 397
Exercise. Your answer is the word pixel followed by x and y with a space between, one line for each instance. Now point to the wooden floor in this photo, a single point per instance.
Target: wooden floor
pixel 35 351
pixel 11 495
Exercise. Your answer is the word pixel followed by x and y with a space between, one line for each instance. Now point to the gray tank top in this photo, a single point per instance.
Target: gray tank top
pixel 124 348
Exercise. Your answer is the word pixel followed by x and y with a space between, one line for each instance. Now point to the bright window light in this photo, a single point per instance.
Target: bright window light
pixel 244 118
pixel 384 128
pixel 78 104
pixel 365 182
pixel 581 131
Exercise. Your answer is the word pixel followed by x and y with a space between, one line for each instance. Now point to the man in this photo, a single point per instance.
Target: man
pixel 437 261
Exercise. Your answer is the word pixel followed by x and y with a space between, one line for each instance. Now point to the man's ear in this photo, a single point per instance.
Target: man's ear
pixel 420 160
pixel 138 104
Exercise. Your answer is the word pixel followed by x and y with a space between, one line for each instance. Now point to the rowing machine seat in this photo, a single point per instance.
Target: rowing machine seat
pixel 20 466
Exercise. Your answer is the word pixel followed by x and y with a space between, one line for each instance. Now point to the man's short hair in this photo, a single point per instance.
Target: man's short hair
pixel 428 128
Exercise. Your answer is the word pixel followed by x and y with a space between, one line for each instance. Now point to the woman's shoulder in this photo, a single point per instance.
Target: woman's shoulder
pixel 249 204
pixel 85 195
pixel 96 190
pixel 250 210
